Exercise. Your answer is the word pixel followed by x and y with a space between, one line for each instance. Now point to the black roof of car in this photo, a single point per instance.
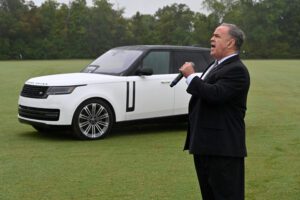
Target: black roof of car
pixel 164 47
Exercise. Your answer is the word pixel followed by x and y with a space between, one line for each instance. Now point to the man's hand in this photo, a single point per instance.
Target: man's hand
pixel 187 69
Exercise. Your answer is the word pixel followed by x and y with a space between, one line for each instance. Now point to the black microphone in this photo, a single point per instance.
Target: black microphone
pixel 176 80
pixel 179 77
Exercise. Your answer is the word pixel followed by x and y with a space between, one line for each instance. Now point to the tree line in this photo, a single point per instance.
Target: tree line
pixel 75 30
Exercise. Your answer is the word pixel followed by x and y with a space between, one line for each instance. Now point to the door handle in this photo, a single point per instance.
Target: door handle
pixel 165 82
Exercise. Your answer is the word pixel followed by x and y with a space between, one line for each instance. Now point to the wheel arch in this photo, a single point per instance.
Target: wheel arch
pixel 97 98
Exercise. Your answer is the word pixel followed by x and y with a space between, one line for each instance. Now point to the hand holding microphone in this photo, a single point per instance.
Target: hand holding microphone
pixel 185 70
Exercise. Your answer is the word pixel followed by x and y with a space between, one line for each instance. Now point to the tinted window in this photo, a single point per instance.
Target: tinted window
pixel 114 61
pixel 201 59
pixel 158 61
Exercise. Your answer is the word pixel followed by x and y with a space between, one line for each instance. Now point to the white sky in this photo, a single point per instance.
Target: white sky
pixel 143 6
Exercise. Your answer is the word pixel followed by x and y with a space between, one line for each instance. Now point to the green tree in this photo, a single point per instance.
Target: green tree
pixel 104 27
pixel 142 29
pixel 174 25
pixel 203 28
pixel 219 8
pixel 289 25
pixel 11 28
pixel 77 29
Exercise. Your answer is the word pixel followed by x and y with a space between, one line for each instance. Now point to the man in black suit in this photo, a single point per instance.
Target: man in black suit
pixel 216 132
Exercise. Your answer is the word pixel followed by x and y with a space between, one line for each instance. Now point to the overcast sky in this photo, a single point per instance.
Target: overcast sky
pixel 143 6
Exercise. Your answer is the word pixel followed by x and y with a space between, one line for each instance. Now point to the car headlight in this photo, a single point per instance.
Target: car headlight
pixel 57 90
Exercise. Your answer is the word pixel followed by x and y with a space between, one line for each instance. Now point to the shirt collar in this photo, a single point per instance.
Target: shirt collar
pixel 225 58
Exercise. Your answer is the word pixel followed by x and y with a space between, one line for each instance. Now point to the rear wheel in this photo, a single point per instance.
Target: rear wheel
pixel 93 119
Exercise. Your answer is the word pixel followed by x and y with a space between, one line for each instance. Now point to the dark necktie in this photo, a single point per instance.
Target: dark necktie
pixel 212 68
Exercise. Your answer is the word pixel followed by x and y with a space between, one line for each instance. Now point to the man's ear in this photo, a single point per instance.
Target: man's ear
pixel 231 43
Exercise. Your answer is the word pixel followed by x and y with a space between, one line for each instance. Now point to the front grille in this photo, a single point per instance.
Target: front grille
pixel 39 113
pixel 33 91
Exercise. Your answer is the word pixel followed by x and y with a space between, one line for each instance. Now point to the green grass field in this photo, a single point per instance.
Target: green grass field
pixel 147 162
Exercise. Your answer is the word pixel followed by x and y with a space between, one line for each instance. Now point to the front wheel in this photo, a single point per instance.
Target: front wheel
pixel 93 119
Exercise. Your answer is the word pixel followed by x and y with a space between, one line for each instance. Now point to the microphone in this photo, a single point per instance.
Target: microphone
pixel 176 80
pixel 179 77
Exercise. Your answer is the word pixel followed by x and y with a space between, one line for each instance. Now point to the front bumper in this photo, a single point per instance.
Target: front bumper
pixel 54 110
pixel 39 113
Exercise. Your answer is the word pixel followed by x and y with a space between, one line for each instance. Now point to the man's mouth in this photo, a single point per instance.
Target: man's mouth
pixel 212 45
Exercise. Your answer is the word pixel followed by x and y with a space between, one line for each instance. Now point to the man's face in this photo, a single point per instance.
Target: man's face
pixel 221 43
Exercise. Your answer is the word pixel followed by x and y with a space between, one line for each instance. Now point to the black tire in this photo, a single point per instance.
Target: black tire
pixel 93 119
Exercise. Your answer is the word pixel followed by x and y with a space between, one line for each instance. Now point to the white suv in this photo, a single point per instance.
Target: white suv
pixel 123 84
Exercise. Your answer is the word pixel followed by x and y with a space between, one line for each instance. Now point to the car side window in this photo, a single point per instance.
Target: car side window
pixel 158 61
pixel 198 58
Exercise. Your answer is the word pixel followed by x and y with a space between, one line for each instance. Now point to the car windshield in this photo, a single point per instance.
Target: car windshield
pixel 114 61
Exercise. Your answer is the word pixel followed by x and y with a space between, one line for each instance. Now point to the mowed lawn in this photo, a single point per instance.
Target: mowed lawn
pixel 147 162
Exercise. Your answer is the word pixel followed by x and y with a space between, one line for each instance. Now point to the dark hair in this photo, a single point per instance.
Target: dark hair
pixel 236 33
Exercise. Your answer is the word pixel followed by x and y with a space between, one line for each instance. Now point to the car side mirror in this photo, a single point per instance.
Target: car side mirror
pixel 144 72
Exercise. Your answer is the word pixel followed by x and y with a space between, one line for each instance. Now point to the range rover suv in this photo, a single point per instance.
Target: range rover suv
pixel 124 84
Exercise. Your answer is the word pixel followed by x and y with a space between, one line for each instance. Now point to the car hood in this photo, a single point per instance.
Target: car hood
pixel 72 79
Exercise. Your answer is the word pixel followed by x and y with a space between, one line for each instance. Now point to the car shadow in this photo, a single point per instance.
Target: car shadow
pixel 140 127
pixel 57 135
pixel 149 126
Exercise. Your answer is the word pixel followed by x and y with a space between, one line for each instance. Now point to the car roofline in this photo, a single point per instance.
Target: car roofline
pixel 162 47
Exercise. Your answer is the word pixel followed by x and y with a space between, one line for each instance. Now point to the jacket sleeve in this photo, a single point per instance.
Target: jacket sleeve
pixel 226 85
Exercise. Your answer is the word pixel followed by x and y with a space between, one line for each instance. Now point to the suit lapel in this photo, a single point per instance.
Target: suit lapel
pixel 229 60
pixel 225 62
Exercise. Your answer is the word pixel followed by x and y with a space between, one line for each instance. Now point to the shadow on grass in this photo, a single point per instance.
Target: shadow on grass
pixel 155 126
pixel 55 135
pixel 123 129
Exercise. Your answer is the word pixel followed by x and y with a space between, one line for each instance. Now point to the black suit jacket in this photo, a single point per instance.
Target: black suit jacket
pixel 217 109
